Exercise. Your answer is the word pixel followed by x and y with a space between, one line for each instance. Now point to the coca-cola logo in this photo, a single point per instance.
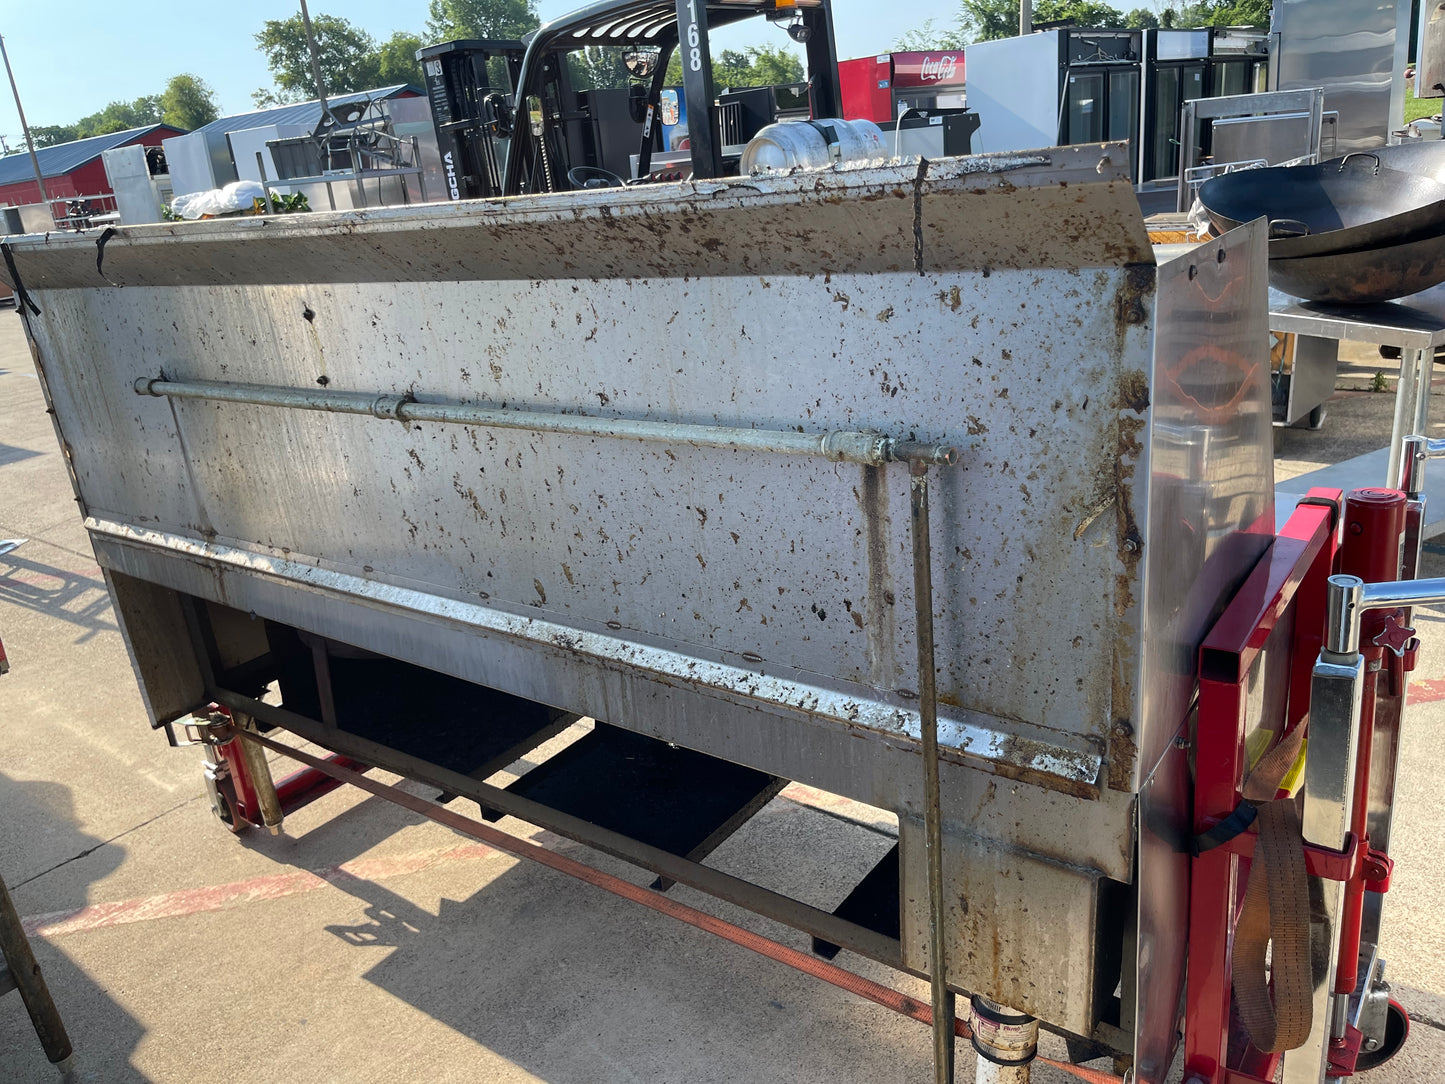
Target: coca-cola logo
pixel 939 69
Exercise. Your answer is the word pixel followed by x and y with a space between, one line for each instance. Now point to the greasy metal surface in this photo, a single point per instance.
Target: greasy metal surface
pixel 978 212
pixel 742 568
pixel 747 605
pixel 865 448
pixel 1020 929
pixel 1211 510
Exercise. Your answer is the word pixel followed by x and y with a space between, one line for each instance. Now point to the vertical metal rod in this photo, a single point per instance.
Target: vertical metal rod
pixel 315 63
pixel 25 127
pixel 1026 18
pixel 1422 392
pixel 260 772
pixel 19 959
pixel 420 169
pixel 943 998
pixel 261 169
pixel 1406 409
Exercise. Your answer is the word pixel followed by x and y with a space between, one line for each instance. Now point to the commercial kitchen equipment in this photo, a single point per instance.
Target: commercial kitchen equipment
pixel 1356 53
pixel 879 88
pixel 1056 87
pixel 853 476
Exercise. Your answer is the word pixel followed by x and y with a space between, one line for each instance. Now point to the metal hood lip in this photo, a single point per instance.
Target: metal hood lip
pixel 997 172
pixel 967 739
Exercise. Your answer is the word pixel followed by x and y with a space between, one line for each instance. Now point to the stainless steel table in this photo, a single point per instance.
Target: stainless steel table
pixel 1416 325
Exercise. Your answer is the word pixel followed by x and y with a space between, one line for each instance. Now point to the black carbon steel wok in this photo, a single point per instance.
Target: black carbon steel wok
pixel 1365 275
pixel 1344 205
pixel 1422 157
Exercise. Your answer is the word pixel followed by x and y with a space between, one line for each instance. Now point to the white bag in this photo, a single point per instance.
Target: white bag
pixel 236 196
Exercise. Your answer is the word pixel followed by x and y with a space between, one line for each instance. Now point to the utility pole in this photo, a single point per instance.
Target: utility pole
pixel 34 159
pixel 1026 17
pixel 315 60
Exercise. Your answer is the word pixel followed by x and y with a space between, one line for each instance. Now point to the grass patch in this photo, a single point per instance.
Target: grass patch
pixel 1415 108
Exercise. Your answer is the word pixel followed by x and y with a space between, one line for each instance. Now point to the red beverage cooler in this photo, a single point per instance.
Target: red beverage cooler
pixel 878 88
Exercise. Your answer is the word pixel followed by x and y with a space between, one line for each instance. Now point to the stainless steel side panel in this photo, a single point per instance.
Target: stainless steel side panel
pixel 1018 346
pixel 1021 928
pixel 1211 478
pixel 1356 51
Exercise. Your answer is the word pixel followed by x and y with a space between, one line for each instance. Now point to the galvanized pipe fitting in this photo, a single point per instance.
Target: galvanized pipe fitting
pixel 843 446
pixel 1006 1042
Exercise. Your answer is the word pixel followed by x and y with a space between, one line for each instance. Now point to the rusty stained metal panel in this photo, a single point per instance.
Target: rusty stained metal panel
pixel 797 567
pixel 1062 207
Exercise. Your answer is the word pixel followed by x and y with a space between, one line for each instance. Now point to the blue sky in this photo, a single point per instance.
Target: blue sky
pixel 97 52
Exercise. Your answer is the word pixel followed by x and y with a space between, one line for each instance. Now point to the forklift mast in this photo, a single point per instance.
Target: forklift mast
pixel 522 141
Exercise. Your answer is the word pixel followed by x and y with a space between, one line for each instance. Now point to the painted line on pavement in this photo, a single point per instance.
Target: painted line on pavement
pixel 191 901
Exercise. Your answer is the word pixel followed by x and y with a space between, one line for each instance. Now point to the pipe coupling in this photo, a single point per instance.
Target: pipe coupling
pixel 1001 1035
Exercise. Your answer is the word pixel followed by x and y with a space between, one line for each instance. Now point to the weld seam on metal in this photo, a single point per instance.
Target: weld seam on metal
pixel 975 741
pixel 843 446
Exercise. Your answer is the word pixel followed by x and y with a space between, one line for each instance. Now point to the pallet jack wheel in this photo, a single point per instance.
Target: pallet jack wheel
pixel 1397 1030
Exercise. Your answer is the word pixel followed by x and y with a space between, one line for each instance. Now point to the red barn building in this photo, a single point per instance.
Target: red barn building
pixel 71 169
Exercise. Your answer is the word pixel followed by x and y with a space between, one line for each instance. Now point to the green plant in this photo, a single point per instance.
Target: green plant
pixel 1377 382
pixel 295 203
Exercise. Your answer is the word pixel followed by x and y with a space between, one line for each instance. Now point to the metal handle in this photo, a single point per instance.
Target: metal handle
pixel 1279 228
pixel 1359 154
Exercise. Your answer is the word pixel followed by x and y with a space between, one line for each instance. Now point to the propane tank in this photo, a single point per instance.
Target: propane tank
pixel 812 144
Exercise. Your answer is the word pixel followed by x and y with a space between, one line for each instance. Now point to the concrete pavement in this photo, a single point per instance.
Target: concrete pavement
pixel 367 944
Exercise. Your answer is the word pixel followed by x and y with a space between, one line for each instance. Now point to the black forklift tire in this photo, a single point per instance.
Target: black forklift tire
pixel 1397 1030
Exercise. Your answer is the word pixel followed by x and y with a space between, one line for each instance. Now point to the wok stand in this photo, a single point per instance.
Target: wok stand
pixel 1416 325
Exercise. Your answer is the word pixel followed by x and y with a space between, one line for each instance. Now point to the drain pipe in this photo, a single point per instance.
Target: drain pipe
pixel 1006 1042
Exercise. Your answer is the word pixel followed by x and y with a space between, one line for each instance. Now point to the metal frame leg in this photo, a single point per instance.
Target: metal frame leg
pixel 1412 404
pixel 24 972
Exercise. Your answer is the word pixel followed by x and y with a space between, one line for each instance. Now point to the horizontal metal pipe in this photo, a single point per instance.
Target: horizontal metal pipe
pixel 1349 598
pixel 868 448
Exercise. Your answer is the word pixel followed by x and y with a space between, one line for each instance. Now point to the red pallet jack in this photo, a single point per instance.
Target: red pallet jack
pixel 1312 655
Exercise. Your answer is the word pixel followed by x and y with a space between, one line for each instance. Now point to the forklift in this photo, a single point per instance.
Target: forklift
pixel 516 118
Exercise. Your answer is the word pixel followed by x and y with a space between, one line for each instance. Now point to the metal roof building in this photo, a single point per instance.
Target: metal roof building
pixel 210 156
pixel 307 114
pixel 71 169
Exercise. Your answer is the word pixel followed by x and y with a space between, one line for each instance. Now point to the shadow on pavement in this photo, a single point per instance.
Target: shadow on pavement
pixel 67 596
pixel 574 985
pixel 104 1035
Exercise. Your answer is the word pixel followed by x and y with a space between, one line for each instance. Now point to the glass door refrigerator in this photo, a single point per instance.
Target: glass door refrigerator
pixel 1176 68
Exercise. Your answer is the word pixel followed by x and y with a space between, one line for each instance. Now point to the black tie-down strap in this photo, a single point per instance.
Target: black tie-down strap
pixel 20 295
pixel 1233 825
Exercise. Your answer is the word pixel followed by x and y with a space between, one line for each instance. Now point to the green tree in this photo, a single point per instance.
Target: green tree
pixel 347 57
pixel 1141 19
pixel 188 102
pixel 986 20
pixel 396 59
pixel 1078 12
pixel 928 38
pixel 448 20
pixel 755 66
pixel 118 116
pixel 48 135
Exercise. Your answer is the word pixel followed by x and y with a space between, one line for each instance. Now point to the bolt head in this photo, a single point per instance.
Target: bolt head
pixel 1372 1044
